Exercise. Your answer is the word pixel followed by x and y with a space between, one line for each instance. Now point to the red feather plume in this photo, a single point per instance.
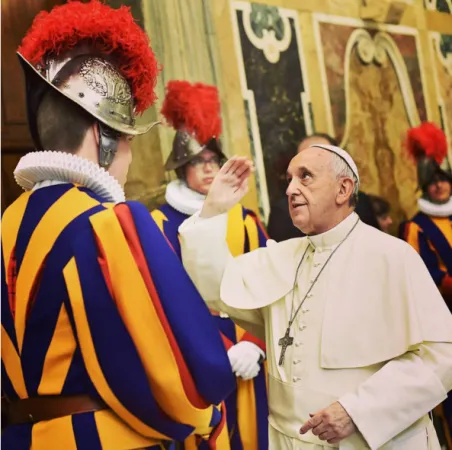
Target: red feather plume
pixel 427 140
pixel 193 107
pixel 110 31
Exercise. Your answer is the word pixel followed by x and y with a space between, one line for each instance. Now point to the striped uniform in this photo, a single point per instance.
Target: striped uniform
pixel 247 409
pixel 94 301
pixel 432 239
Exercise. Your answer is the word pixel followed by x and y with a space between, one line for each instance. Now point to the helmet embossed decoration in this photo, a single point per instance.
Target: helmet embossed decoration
pixel 96 56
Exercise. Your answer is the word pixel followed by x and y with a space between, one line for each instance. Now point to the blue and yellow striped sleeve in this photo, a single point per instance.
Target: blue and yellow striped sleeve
pixel 130 300
pixel 256 233
pixel 414 235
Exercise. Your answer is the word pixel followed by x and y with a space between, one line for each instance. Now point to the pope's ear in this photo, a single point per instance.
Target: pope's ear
pixel 345 191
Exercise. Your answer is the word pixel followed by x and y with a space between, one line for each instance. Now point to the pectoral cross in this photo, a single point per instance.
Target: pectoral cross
pixel 284 342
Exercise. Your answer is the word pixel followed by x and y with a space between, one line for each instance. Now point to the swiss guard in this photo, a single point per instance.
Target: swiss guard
pixel 193 110
pixel 430 230
pixel 96 351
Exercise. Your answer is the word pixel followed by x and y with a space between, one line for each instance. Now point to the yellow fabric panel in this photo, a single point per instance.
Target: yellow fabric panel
pixel 236 231
pixel 141 319
pixel 59 357
pixel 239 332
pixel 412 235
pixel 89 353
pixel 159 218
pixel 116 434
pixel 12 217
pixel 223 440
pixel 444 224
pixel 190 443
pixel 253 234
pixel 265 366
pixel 246 413
pixel 60 214
pixel 12 364
pixel 54 434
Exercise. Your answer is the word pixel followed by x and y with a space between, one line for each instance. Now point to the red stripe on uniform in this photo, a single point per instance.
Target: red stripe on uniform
pixel 250 338
pixel 212 441
pixel 126 220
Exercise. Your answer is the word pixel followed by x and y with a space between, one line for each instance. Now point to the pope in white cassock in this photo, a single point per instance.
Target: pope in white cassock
pixel 359 339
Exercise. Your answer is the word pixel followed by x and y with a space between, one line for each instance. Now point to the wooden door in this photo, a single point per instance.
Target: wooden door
pixel 17 16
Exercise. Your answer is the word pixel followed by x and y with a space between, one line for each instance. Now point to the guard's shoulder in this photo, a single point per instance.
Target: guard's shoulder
pixel 127 210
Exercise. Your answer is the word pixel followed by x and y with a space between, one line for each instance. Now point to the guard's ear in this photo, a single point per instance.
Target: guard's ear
pixel 345 191
pixel 96 133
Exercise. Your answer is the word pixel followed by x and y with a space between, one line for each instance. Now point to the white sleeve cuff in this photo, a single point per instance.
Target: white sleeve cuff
pixel 196 221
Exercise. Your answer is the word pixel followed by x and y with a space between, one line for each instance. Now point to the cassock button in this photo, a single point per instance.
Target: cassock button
pixel 302 326
pixel 297 361
pixel 296 379
pixel 309 295
pixel 297 344
pixel 317 264
pixel 305 310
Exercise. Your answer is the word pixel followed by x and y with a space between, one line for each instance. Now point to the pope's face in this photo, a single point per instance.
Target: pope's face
pixel 314 190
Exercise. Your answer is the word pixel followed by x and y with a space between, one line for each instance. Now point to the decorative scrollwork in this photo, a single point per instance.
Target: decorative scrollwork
pixel 445 45
pixel 267 29
pixel 378 49
pixel 104 79
pixel 371 50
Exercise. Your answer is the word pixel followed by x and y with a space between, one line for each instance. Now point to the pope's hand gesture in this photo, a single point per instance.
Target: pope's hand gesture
pixel 228 187
pixel 331 424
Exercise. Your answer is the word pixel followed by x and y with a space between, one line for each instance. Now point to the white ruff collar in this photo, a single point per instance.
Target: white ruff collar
pixel 433 209
pixel 182 198
pixel 40 169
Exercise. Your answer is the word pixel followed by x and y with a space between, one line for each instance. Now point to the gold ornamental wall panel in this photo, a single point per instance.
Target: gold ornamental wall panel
pixel 441 63
pixel 374 85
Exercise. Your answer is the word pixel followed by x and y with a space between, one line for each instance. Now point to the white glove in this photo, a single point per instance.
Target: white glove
pixel 244 358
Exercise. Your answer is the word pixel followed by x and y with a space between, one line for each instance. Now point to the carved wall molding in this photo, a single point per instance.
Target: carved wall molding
pixel 389 11
pixel 444 56
pixel 446 61
pixel 321 18
pixel 380 49
pixel 432 5
pixel 273 31
pixel 269 31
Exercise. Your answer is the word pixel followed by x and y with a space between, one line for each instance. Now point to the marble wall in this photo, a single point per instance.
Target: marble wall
pixel 275 91
pixel 311 66
pixel 441 62
pixel 286 68
pixel 375 88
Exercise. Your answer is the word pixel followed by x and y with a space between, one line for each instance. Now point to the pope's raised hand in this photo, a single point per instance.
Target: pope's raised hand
pixel 228 187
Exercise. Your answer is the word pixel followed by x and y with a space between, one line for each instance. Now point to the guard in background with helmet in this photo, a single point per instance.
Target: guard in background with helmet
pixel 193 110
pixel 95 349
pixel 430 230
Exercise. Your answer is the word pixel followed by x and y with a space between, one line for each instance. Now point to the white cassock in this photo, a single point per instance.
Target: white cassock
pixel 373 334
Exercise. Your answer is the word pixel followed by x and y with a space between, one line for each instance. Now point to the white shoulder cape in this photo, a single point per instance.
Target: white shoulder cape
pixel 381 300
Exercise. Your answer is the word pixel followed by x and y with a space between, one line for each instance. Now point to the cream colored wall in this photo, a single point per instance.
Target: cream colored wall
pixel 188 45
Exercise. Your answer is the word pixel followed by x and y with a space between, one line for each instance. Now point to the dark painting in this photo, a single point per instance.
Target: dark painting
pixel 277 89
